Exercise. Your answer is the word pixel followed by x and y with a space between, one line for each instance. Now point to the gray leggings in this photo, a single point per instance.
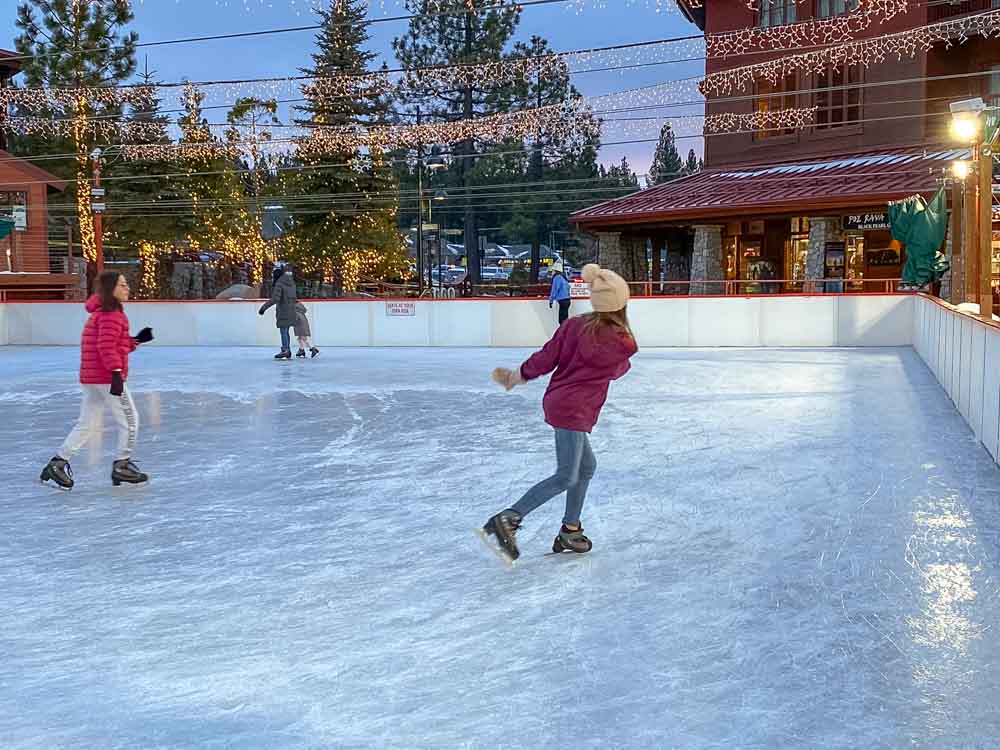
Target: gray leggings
pixel 575 469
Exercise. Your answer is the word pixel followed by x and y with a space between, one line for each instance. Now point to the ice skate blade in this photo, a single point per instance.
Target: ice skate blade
pixel 495 549
pixel 54 485
pixel 118 484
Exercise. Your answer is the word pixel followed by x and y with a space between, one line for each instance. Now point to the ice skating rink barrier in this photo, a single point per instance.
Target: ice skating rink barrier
pixel 815 321
pixel 963 352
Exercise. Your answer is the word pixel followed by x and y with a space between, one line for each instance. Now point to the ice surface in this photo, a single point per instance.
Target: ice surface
pixel 792 549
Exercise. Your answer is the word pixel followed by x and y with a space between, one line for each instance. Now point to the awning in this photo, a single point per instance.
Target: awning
pixel 854 181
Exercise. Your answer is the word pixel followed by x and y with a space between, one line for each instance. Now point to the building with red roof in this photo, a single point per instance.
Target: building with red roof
pixel 778 209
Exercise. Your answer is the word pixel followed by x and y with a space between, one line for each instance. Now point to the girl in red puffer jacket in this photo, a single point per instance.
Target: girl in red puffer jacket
pixel 587 353
pixel 104 349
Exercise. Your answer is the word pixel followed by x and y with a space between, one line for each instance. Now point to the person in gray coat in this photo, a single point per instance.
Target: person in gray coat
pixel 283 300
pixel 302 332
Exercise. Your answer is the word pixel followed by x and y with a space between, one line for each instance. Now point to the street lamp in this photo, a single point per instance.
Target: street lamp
pixel 433 163
pixel 966 126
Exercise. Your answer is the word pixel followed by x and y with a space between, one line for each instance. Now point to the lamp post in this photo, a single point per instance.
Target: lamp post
pixel 433 163
pixel 966 126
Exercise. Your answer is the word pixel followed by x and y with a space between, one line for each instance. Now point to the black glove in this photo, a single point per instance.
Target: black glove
pixel 117 385
pixel 144 336
pixel 260 311
pixel 550 304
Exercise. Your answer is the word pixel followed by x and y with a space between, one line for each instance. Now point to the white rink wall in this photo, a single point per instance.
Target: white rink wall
pixel 841 321
pixel 963 352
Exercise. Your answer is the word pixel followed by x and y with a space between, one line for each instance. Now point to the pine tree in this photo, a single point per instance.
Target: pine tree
pixel 667 163
pixel 456 32
pixel 693 163
pixel 358 234
pixel 73 44
pixel 621 175
pixel 137 216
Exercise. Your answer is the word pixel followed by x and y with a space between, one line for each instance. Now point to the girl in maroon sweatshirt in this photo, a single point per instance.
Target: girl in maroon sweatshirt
pixel 587 353
pixel 104 348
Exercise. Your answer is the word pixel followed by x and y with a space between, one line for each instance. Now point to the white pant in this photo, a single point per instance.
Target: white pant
pixel 95 397
pixel 304 342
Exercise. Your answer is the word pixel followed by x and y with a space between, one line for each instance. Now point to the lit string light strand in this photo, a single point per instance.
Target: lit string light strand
pixel 864 52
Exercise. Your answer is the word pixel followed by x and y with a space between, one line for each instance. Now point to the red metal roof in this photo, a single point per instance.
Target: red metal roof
pixel 855 181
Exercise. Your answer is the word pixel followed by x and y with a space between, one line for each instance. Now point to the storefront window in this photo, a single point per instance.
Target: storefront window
pixel 798 250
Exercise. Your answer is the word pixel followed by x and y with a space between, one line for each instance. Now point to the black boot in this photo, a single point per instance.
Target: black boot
pixel 301 353
pixel 59 471
pixel 571 541
pixel 314 351
pixel 504 526
pixel 125 471
pixel 283 355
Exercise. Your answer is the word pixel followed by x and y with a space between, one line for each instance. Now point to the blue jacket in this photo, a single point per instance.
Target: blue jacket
pixel 560 288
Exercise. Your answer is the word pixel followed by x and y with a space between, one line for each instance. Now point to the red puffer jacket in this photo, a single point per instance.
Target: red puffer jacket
pixel 104 345
pixel 584 366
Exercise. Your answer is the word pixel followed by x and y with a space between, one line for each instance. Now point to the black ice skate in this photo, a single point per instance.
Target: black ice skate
pixel 283 355
pixel 126 472
pixel 301 353
pixel 314 351
pixel 571 541
pixel 58 470
pixel 503 526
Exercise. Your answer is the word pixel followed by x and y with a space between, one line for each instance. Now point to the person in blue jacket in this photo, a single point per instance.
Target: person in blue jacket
pixel 560 292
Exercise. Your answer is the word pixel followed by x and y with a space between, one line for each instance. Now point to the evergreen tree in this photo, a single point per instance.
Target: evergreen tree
pixel 457 32
pixel 621 175
pixel 667 164
pixel 136 214
pixel 73 44
pixel 693 163
pixel 357 234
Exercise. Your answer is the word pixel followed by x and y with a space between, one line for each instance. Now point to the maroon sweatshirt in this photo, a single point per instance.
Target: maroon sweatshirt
pixel 585 365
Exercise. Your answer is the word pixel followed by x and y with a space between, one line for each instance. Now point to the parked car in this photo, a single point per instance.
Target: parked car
pixel 495 274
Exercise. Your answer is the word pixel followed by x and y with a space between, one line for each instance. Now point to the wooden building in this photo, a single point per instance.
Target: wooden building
pixel 27 268
pixel 778 210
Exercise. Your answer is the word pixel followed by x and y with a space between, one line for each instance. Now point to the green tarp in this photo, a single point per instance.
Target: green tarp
pixel 921 227
pixel 6 227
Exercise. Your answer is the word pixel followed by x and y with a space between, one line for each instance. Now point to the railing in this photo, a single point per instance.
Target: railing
pixel 744 287
pixel 943 11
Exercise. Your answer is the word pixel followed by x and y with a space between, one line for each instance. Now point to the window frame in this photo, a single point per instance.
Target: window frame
pixel 846 121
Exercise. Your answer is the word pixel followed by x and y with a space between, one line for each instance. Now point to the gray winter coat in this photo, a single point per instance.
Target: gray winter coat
pixel 301 321
pixel 284 300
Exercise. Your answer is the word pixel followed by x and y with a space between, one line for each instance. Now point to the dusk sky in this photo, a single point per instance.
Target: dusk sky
pixel 562 24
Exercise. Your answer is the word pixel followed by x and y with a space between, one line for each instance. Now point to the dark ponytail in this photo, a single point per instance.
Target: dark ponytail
pixel 106 284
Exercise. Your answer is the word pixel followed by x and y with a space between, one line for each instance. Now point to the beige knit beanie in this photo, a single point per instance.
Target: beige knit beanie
pixel 608 290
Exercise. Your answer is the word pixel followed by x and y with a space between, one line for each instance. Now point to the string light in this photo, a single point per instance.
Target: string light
pixel 820 31
pixel 864 52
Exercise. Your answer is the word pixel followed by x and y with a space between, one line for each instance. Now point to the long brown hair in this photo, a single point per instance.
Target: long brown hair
pixel 106 284
pixel 617 321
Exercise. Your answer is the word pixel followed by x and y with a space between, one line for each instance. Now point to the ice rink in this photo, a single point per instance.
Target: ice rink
pixel 793 549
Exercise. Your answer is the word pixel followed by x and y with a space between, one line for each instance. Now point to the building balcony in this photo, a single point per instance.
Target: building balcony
pixel 945 11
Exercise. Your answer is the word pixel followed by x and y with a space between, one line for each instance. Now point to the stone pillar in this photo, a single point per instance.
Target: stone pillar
pixel 822 229
pixel 706 261
pixel 609 251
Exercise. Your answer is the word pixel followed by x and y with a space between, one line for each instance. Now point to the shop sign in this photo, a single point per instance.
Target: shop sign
pixel 882 258
pixel 579 290
pixel 20 216
pixel 866 222
pixel 400 309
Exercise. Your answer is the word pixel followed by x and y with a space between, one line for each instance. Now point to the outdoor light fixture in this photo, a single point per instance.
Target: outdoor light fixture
pixel 965 116
pixel 960 169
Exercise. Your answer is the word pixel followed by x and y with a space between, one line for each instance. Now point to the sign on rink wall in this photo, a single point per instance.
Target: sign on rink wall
pixel 579 290
pixel 400 309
